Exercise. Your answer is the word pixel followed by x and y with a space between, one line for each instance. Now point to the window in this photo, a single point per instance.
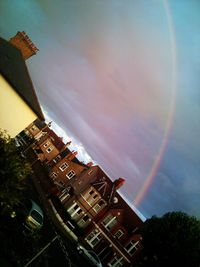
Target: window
pixel 116 262
pixel 57 158
pixel 91 192
pixel 84 221
pixel 119 234
pixel 99 205
pixel 49 149
pixel 85 218
pixel 46 144
pixel 33 128
pixel 73 207
pixel 61 183
pixel 90 172
pixel 91 196
pixel 79 211
pixel 53 175
pixel 70 174
pixel 63 196
pixel 110 221
pixel 95 196
pixel 93 238
pixel 75 211
pixel 63 166
pixel 132 247
pixel 76 207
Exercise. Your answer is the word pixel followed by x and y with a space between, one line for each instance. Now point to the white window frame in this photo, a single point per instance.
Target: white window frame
pixel 76 212
pixel 69 176
pixel 49 149
pixel 72 207
pixel 95 239
pixel 33 127
pixel 112 219
pixel 63 166
pixel 46 144
pixel 97 207
pixel 116 262
pixel 57 158
pixel 134 246
pixel 118 234
pixel 91 196
pixel 63 196
pixel 90 172
pixel 53 175
pixel 83 222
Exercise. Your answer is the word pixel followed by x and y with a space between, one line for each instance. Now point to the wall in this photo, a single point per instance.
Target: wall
pixel 15 114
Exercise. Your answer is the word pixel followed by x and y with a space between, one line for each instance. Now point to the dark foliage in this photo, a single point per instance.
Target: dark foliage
pixel 172 240
pixel 13 170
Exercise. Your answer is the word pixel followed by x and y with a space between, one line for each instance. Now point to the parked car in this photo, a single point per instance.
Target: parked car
pixel 33 215
pixel 90 255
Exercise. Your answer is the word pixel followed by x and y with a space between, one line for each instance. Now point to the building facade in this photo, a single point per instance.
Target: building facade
pixel 19 105
pixel 95 210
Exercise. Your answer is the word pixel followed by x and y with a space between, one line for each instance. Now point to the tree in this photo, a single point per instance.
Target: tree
pixel 172 240
pixel 13 169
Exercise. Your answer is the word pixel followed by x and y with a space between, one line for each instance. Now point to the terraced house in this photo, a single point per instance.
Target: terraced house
pixel 106 223
pixel 109 224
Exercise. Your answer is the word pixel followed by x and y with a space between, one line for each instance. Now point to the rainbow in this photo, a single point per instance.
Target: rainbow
pixel 150 178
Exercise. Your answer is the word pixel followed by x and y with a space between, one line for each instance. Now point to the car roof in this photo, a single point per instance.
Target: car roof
pixel 36 207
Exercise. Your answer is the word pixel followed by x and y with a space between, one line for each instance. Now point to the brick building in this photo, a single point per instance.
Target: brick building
pixel 105 222
pixel 109 224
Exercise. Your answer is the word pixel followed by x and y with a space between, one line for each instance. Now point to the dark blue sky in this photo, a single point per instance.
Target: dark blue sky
pixel 121 78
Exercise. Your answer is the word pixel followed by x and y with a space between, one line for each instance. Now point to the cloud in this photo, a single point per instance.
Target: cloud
pixel 191 185
pixel 75 145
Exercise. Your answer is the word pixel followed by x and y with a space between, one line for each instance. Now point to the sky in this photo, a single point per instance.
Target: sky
pixel 120 78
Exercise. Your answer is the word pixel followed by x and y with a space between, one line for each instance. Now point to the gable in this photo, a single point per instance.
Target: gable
pixel 15 114
pixel 14 70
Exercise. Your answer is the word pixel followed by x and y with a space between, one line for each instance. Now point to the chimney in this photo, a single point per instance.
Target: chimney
pixel 24 43
pixel 90 164
pixel 72 155
pixel 119 182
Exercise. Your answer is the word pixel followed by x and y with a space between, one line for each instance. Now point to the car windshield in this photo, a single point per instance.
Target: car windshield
pixel 36 216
